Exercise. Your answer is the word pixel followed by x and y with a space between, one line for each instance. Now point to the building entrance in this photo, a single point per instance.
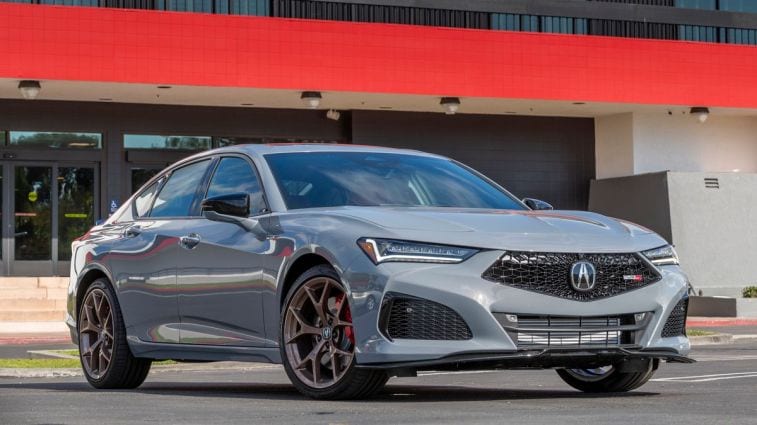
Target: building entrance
pixel 45 206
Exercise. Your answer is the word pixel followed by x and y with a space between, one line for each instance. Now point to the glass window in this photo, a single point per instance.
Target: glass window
pixel 179 192
pixel 739 5
pixel 51 139
pixel 697 4
pixel 235 175
pixel 143 141
pixel 325 179
pixel 143 201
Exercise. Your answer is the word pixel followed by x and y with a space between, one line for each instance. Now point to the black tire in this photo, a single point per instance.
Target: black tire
pixel 355 383
pixel 613 381
pixel 123 371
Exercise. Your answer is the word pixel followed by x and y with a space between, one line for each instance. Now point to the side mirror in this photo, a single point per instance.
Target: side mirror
pixel 537 205
pixel 234 204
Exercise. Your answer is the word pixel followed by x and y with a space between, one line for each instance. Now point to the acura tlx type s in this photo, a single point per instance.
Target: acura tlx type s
pixel 350 265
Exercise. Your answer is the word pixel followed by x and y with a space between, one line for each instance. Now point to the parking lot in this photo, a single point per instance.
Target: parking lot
pixel 719 389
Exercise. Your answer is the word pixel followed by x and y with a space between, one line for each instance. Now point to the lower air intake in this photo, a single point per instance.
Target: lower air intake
pixel 676 324
pixel 408 317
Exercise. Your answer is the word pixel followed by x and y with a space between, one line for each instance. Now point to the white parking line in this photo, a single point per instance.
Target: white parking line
pixel 723 358
pixel 708 378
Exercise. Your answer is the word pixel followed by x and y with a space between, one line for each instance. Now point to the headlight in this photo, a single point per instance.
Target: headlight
pixel 385 250
pixel 662 256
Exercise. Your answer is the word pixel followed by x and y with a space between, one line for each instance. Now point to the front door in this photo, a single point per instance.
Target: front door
pixel 223 270
pixel 49 205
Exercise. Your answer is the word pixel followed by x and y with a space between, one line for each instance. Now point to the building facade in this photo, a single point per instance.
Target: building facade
pixel 551 94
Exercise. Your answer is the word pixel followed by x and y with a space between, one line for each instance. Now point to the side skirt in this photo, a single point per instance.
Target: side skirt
pixel 160 351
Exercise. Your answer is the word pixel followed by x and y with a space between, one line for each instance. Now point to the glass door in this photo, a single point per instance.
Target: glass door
pixel 76 209
pixel 52 204
pixel 32 219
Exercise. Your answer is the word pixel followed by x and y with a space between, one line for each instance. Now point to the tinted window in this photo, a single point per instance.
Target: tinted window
pixel 235 175
pixel 143 201
pixel 146 141
pixel 324 179
pixel 49 139
pixel 175 199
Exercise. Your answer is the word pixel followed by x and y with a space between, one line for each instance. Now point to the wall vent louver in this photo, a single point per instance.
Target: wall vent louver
pixel 711 183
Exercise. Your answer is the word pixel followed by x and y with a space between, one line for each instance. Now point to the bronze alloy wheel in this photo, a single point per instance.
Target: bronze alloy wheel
pixel 96 334
pixel 320 344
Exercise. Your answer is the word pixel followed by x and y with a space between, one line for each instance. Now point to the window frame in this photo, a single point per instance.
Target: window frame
pixel 218 158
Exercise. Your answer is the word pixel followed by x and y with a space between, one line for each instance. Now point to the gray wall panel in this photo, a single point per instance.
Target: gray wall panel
pixel 543 157
pixel 642 199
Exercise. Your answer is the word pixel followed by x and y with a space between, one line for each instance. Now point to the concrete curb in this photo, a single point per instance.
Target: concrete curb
pixel 717 339
pixel 182 367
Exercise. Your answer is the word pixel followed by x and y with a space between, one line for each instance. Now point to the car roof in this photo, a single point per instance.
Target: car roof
pixel 273 148
pixel 257 150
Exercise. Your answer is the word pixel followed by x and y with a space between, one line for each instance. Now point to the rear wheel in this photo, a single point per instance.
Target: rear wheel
pixel 317 340
pixel 105 356
pixel 607 379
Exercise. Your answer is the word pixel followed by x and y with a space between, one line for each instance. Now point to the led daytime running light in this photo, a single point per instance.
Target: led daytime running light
pixel 383 250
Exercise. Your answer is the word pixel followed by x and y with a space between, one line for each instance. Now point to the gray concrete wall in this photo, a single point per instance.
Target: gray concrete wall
pixel 714 229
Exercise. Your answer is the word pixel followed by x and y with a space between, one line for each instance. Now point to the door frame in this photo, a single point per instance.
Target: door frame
pixel 9 266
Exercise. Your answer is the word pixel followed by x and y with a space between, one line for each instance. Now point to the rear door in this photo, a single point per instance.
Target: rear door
pixel 223 270
pixel 144 260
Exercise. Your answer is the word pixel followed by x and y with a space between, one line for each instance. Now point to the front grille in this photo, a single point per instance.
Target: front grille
pixel 555 331
pixel 408 317
pixel 549 273
pixel 676 323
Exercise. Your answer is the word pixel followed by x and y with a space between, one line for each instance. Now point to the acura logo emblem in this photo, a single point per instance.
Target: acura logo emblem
pixel 583 276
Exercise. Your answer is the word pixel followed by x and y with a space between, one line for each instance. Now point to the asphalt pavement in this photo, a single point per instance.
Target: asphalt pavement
pixel 720 389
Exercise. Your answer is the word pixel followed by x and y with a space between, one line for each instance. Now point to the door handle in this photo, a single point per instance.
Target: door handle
pixel 132 231
pixel 189 241
pixel 17 234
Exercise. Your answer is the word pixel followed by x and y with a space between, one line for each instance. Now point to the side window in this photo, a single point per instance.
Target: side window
pixel 175 199
pixel 235 175
pixel 143 201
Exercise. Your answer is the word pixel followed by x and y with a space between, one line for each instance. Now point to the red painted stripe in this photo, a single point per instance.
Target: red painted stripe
pixel 34 339
pixel 135 46
pixel 710 322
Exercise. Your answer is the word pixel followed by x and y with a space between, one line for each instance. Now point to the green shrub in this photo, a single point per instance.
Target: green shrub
pixel 750 292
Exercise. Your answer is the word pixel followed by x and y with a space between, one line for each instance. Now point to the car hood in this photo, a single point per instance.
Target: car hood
pixel 549 231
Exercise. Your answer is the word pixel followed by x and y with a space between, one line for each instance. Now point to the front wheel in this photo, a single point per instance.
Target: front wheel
pixel 317 340
pixel 105 356
pixel 607 379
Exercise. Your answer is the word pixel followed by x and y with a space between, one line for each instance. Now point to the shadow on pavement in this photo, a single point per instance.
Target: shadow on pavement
pixel 392 393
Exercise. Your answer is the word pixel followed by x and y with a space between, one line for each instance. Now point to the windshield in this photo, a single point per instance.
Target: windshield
pixel 329 179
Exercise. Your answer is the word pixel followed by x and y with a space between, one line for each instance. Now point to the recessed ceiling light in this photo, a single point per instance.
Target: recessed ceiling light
pixel 164 87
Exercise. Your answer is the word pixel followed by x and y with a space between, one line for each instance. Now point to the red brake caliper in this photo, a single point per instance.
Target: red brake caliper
pixel 347 316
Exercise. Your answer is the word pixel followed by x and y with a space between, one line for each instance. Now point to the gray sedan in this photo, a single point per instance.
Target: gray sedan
pixel 350 265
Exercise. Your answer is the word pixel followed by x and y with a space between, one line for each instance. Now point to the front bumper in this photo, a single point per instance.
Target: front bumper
pixel 461 288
